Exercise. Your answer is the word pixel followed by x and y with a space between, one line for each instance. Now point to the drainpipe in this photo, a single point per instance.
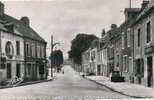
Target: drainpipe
pixel 0 50
pixel 133 52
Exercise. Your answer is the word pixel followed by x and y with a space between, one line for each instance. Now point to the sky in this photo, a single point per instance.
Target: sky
pixel 64 19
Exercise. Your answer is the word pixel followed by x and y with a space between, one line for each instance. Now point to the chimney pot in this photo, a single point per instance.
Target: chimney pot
pixel 113 26
pixel 145 3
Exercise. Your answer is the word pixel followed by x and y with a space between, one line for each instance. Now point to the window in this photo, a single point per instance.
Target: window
pixel 92 55
pixel 2 66
pixel 138 37
pixel 123 44
pixel 43 54
pixel 27 49
pixel 118 60
pixel 18 47
pixel 33 50
pixel 128 37
pixel 9 50
pixel 125 63
pixel 38 51
pixel 148 32
pixel 127 60
pixel 130 64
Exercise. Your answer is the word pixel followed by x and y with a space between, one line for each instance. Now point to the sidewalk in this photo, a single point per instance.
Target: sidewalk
pixel 31 82
pixel 129 89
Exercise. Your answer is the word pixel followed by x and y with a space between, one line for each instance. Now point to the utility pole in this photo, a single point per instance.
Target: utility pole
pixel 50 54
pixel 52 46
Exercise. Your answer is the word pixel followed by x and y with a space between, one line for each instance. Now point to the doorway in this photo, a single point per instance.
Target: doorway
pixel 18 70
pixel 150 71
pixel 8 70
pixel 99 70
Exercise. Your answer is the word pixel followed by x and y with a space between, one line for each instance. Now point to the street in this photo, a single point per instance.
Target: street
pixel 69 84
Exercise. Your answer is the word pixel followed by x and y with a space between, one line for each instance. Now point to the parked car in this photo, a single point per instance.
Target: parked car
pixel 116 77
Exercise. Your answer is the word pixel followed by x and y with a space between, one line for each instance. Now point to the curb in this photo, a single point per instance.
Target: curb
pixel 26 83
pixel 114 89
pixel 34 82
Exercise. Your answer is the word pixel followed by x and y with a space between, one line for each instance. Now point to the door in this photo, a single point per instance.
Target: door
pixel 99 70
pixel 8 70
pixel 34 72
pixel 150 71
pixel 18 70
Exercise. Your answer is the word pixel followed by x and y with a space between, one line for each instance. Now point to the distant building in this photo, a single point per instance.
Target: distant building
pixel 94 57
pixel 102 58
pixel 85 62
pixel 111 48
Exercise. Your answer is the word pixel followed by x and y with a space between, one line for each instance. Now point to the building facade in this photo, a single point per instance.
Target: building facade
pixel 85 62
pixel 23 51
pixel 143 45
pixel 130 47
pixel 12 55
pixel 103 59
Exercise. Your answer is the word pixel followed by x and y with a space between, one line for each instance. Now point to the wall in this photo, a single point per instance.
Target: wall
pixel 139 52
pixel 16 59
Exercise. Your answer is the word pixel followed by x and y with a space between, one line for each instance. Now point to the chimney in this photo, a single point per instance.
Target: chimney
pixel 113 26
pixel 103 33
pixel 25 21
pixel 145 3
pixel 1 9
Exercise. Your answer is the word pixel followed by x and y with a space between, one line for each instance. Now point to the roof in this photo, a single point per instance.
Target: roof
pixel 132 10
pixel 26 31
pixel 145 11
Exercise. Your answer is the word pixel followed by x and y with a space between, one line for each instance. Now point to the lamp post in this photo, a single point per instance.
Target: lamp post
pixel 52 46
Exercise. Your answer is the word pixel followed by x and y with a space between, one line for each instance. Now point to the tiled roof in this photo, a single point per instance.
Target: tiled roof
pixel 26 31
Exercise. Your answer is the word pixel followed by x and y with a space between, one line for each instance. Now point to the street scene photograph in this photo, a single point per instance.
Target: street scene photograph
pixel 76 49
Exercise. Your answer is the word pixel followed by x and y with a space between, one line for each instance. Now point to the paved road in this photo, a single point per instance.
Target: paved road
pixel 69 85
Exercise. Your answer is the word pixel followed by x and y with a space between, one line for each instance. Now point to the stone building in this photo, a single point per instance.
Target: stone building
pixel 12 53
pixel 23 51
pixel 143 45
pixel 94 57
pixel 127 43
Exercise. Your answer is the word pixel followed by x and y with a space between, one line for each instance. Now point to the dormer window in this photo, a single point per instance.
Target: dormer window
pixel 9 27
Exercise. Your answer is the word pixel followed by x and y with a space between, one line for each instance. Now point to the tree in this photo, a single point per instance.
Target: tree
pixel 80 44
pixel 56 58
